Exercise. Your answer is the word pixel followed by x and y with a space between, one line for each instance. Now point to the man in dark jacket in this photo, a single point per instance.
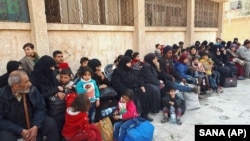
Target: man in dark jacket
pixel 22 111
pixel 170 74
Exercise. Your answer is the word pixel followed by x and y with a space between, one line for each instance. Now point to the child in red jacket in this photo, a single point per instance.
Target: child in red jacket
pixel 77 127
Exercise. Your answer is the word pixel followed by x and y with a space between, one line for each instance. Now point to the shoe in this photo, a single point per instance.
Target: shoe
pixel 209 91
pixel 178 121
pixel 148 118
pixel 196 89
pixel 219 90
pixel 164 120
pixel 200 96
pixel 241 78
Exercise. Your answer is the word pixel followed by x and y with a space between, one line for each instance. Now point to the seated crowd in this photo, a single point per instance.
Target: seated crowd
pixel 41 96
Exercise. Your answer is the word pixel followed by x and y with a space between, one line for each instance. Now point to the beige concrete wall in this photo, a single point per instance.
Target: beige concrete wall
pixel 209 34
pixel 11 42
pixel 163 38
pixel 102 44
pixel 236 27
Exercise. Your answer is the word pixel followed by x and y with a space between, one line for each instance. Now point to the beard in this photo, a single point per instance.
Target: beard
pixel 24 91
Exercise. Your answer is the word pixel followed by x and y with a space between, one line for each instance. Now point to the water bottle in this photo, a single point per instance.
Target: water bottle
pixel 172 114
pixel 108 111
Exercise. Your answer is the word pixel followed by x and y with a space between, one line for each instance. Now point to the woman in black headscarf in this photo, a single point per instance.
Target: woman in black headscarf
pixel 129 53
pixel 102 83
pixel 149 76
pixel 221 63
pixel 11 66
pixel 44 78
pixel 124 77
pixel 98 75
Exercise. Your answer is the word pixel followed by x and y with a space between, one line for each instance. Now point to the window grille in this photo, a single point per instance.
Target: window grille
pixel 166 12
pixel 206 13
pixel 106 12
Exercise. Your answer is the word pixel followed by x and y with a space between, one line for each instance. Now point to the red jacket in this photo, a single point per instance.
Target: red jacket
pixel 130 110
pixel 75 122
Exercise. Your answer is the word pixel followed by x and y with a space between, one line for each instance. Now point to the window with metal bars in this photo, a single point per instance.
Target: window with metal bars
pixel 96 12
pixel 166 13
pixel 206 13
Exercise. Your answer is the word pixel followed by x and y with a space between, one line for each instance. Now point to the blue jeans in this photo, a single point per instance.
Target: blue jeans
pixel 117 126
pixel 181 87
pixel 212 82
pixel 92 112
pixel 216 76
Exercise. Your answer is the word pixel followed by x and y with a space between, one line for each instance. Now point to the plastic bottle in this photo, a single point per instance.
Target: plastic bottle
pixel 172 114
pixel 108 111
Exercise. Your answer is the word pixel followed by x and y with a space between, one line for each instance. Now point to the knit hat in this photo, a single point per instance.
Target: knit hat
pixel 232 45
pixel 12 65
pixel 167 49
pixel 93 63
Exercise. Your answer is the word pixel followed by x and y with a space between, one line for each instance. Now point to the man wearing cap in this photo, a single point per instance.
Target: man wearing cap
pixel 244 53
pixel 170 74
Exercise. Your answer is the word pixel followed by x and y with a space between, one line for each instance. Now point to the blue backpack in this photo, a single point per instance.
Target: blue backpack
pixel 136 129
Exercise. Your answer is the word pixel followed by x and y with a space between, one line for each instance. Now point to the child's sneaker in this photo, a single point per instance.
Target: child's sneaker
pixel 178 121
pixel 164 120
pixel 219 90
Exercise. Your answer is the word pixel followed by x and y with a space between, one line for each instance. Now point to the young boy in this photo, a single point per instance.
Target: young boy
pixel 171 99
pixel 30 58
pixel 66 82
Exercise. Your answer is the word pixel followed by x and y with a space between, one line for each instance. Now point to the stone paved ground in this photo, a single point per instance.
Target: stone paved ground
pixel 230 107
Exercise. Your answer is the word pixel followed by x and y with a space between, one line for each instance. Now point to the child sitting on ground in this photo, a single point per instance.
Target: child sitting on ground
pixel 77 127
pixel 208 65
pixel 172 100
pixel 126 106
pixel 126 110
pixel 87 86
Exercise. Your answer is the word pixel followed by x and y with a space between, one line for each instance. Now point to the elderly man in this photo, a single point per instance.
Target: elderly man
pixel 22 111
pixel 244 53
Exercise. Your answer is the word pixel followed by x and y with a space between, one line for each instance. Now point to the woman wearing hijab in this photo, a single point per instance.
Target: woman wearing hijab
pixel 11 66
pixel 129 53
pixel 149 76
pixel 124 77
pixel 44 78
pixel 221 64
pixel 98 75
pixel 102 83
